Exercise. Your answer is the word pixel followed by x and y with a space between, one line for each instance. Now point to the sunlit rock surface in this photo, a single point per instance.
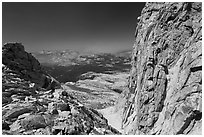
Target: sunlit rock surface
pixel 165 88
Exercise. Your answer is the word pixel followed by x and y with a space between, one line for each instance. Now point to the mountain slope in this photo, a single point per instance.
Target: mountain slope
pixel 33 103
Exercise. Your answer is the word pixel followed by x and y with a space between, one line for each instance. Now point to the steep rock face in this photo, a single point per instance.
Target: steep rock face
pixel 165 86
pixel 16 58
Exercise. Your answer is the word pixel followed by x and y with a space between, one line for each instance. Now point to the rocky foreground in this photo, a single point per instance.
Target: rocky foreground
pixel 34 103
pixel 165 95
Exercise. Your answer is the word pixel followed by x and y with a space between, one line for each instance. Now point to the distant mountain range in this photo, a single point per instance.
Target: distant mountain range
pixel 70 57
pixel 68 65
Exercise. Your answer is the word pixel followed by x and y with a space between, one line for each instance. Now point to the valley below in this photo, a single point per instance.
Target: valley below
pixel 96 80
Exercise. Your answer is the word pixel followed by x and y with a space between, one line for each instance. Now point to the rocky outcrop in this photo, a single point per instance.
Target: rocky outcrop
pixel 165 87
pixel 16 58
pixel 28 109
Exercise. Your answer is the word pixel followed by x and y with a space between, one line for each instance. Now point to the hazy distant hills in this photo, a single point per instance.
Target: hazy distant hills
pixel 70 57
pixel 68 65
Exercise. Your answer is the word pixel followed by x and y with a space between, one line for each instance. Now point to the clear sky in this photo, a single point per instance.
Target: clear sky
pixel 99 26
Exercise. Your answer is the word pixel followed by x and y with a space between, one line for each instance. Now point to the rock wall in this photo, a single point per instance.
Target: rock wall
pixel 165 86
pixel 16 58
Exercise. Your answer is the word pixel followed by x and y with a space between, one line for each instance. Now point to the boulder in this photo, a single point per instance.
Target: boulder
pixel 33 122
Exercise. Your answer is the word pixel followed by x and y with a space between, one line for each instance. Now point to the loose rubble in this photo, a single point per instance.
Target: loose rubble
pixel 31 108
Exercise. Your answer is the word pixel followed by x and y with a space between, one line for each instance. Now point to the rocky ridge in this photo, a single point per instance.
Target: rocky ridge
pixel 16 58
pixel 34 103
pixel 165 88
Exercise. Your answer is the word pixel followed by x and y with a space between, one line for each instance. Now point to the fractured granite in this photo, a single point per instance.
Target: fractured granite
pixel 165 88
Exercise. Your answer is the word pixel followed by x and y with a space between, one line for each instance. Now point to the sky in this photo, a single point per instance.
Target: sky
pixel 90 26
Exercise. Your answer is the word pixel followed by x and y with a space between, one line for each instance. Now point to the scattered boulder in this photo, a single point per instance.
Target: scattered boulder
pixel 33 103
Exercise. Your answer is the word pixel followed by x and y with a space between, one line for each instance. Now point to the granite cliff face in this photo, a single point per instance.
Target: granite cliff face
pixel 165 85
pixel 33 103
